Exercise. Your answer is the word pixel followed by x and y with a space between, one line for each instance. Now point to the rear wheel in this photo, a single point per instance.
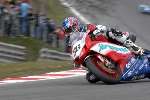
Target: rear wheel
pixel 108 73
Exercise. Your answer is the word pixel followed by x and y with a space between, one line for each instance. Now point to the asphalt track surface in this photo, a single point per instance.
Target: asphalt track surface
pixel 119 12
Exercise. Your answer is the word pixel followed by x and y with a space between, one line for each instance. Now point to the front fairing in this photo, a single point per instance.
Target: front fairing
pixel 136 68
pixel 118 54
pixel 110 50
pixel 78 42
pixel 77 48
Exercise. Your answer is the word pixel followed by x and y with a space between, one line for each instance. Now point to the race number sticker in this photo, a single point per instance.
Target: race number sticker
pixel 76 49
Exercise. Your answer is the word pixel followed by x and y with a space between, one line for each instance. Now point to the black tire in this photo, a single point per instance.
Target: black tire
pixel 106 75
pixel 91 78
pixel 148 76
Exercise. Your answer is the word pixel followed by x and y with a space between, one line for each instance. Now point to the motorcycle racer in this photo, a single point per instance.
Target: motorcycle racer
pixel 73 25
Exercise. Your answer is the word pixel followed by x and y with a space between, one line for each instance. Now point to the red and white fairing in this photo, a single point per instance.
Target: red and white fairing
pixel 81 48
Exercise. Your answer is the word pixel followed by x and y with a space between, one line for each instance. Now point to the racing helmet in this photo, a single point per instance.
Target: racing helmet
pixel 71 24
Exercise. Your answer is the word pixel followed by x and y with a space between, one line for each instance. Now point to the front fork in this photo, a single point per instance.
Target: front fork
pixel 105 61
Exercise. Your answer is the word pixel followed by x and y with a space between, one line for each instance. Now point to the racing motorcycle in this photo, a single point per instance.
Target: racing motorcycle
pixel 108 62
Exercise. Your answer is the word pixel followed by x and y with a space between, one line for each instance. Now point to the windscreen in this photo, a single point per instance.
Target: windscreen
pixel 75 36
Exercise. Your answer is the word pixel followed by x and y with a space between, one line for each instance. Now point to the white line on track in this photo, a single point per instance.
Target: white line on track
pixel 74 11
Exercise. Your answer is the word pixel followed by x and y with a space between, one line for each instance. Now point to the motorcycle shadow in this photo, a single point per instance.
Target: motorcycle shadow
pixel 146 13
pixel 136 81
pixel 126 82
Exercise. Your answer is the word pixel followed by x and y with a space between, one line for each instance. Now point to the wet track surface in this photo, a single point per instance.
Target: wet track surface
pixel 121 13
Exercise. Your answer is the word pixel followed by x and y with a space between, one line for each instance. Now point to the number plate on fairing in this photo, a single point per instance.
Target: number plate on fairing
pixel 77 48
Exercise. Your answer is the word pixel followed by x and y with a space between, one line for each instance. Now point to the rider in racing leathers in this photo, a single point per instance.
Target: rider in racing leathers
pixel 72 24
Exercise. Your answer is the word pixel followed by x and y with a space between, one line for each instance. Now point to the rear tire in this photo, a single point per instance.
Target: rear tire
pixel 106 75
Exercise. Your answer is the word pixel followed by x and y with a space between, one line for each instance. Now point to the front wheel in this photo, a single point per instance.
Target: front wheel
pixel 91 78
pixel 109 75
pixel 148 76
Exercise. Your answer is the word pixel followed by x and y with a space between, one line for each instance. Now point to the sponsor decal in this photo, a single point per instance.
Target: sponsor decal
pixel 113 47
pixel 131 62
pixel 138 77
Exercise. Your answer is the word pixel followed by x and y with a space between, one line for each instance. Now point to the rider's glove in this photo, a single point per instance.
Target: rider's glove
pixel 136 49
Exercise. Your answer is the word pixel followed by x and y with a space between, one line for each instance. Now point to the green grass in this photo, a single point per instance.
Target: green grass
pixel 33 68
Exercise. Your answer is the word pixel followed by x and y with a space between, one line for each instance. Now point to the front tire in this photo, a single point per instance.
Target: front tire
pixel 99 69
pixel 148 76
pixel 91 78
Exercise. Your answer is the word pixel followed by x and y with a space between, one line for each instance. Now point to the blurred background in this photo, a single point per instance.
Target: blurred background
pixel 35 24
pixel 39 19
